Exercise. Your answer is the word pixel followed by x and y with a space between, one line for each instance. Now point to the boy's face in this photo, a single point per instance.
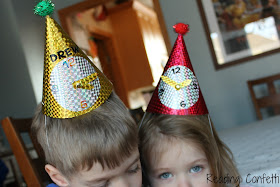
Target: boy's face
pixel 128 174
pixel 181 163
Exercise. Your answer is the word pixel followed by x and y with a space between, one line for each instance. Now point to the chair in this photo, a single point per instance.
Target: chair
pixel 32 169
pixel 272 100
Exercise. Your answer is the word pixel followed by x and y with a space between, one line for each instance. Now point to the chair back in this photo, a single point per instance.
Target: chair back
pixel 272 100
pixel 32 168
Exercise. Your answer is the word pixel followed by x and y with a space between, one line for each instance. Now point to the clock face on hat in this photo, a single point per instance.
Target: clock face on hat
pixel 74 84
pixel 178 88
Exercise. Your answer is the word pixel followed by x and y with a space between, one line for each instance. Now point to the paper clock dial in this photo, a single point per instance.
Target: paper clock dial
pixel 74 84
pixel 178 88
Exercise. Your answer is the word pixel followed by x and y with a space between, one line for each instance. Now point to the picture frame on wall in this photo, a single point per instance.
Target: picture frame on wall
pixel 240 30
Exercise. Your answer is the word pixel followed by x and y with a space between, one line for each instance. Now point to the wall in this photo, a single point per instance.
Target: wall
pixel 225 91
pixel 17 96
pixel 22 53
pixel 32 37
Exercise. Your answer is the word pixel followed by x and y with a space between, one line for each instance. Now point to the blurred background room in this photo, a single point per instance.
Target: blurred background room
pixel 231 44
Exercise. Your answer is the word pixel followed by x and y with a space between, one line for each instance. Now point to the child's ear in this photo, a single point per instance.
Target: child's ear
pixel 56 176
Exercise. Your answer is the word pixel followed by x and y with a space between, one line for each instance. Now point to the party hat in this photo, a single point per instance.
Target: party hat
pixel 178 92
pixel 72 84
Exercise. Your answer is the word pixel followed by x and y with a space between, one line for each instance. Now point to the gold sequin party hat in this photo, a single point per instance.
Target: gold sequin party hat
pixel 72 84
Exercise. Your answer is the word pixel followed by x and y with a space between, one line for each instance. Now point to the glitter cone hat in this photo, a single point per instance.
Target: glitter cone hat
pixel 72 84
pixel 178 92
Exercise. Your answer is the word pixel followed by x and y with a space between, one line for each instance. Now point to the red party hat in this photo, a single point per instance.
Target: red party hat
pixel 178 92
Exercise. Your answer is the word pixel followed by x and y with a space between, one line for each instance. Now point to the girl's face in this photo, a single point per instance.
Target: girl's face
pixel 180 164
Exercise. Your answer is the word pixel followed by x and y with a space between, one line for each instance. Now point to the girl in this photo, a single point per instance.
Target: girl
pixel 178 150
pixel 178 144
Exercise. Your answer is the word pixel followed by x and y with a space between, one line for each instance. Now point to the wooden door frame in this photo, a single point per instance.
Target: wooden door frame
pixel 84 5
pixel 110 41
pixel 107 41
pixel 65 20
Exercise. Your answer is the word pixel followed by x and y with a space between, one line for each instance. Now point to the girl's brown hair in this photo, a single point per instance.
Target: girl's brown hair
pixel 194 128
pixel 107 135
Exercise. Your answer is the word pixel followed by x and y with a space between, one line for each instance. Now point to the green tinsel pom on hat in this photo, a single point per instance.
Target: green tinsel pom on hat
pixel 44 8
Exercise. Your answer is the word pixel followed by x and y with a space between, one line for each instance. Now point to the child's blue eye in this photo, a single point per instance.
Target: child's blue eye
pixel 165 175
pixel 195 169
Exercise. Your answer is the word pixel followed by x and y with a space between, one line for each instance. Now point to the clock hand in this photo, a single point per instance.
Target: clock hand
pixel 169 81
pixel 84 83
pixel 185 83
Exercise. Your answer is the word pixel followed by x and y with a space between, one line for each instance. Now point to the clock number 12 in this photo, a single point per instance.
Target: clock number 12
pixel 176 70
pixel 71 62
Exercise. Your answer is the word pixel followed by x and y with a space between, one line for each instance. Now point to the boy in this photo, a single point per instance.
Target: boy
pixel 86 132
pixel 96 149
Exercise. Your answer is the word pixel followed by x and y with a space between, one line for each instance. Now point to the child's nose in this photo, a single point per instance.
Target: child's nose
pixel 184 181
pixel 121 182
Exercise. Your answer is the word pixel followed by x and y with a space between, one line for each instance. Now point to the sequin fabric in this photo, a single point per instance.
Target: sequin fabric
pixel 180 90
pixel 181 28
pixel 72 84
pixel 187 99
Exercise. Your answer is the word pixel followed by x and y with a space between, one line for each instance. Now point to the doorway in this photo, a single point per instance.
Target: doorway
pixel 90 16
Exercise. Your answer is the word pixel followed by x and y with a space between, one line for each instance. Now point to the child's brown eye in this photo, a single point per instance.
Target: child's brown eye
pixel 106 184
pixel 135 170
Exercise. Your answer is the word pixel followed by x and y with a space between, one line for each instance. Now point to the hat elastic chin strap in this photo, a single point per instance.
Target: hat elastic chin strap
pixel 47 133
pixel 210 124
pixel 142 120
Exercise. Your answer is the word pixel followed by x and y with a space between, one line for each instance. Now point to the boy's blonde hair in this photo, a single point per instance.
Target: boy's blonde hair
pixel 155 127
pixel 107 135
